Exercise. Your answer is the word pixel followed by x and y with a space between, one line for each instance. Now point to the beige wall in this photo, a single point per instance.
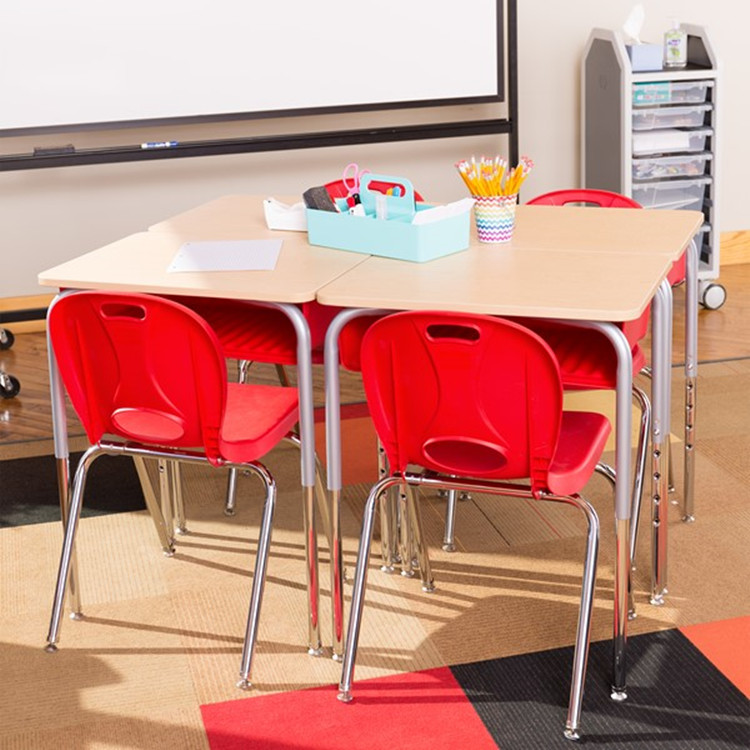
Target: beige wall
pixel 50 215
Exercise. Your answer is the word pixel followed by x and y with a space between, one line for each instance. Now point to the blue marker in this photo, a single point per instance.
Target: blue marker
pixel 160 144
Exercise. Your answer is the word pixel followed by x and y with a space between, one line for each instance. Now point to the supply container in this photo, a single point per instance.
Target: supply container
pixel 670 141
pixel 659 167
pixel 672 194
pixel 670 117
pixel 670 92
pixel 392 235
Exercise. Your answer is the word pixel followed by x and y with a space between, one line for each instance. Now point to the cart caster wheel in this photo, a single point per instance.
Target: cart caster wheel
pixel 10 387
pixel 714 296
pixel 6 339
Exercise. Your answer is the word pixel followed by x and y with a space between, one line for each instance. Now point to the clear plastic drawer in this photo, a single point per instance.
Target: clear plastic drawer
pixel 658 167
pixel 670 117
pixel 670 141
pixel 670 92
pixel 682 194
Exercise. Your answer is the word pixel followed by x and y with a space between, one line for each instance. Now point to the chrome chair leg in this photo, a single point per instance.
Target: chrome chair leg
pixel 425 569
pixel 449 537
pixel 230 503
pixel 64 490
pixel 152 504
pixel 177 501
pixel 358 590
pixel 640 467
pixel 259 577
pixel 165 493
pixel 388 532
pixel 71 526
pixel 281 374
pixel 406 537
pixel 388 518
pixel 583 629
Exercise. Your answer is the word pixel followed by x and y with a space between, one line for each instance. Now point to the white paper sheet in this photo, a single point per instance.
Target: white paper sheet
pixel 226 255
pixel 657 141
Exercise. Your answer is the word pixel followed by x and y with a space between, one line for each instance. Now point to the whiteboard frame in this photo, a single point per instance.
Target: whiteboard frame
pixel 507 80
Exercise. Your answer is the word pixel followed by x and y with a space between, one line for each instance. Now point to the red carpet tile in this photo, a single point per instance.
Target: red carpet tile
pixel 422 711
pixel 726 644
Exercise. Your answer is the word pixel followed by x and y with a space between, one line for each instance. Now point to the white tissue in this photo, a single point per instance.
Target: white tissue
pixel 281 216
pixel 634 24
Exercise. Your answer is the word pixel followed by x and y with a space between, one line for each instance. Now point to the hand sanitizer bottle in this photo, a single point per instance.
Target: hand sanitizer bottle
pixel 675 46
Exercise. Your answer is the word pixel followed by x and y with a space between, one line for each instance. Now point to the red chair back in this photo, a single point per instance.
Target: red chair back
pixel 143 368
pixel 634 330
pixel 600 198
pixel 466 395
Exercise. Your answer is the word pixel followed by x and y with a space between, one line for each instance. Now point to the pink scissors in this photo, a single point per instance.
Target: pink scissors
pixel 351 177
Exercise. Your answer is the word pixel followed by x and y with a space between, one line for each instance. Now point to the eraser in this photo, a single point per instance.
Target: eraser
pixel 318 198
pixel 68 148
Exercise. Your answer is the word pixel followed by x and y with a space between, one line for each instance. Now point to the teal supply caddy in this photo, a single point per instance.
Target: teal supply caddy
pixel 386 228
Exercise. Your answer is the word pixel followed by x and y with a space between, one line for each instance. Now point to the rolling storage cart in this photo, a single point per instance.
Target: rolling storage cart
pixel 9 386
pixel 653 135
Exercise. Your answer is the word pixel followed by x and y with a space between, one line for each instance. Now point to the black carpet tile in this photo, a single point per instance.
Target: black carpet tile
pixel 28 489
pixel 676 699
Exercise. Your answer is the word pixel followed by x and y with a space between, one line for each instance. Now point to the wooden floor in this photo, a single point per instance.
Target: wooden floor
pixel 723 335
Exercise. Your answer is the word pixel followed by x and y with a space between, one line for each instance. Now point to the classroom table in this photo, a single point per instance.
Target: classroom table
pixel 567 265
pixel 139 263
pixel 577 265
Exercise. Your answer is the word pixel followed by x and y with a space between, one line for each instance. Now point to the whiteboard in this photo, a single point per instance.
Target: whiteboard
pixel 88 62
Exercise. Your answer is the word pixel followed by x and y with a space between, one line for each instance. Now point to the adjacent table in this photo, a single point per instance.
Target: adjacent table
pixel 590 267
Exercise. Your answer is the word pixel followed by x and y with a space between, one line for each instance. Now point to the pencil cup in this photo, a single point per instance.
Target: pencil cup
pixel 495 216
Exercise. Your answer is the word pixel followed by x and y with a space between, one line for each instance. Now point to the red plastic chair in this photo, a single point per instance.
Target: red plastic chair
pixel 251 333
pixel 147 378
pixel 479 405
pixel 267 335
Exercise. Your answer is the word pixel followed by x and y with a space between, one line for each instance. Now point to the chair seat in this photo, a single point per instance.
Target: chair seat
pixel 274 412
pixel 586 357
pixel 583 436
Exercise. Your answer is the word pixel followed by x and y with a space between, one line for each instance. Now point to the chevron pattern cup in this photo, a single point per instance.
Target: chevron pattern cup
pixel 495 216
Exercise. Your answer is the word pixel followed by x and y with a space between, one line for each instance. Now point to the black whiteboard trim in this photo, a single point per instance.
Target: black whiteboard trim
pixel 82 127
pixel 82 157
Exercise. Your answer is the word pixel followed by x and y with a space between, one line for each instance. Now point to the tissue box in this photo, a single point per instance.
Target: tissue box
pixel 645 56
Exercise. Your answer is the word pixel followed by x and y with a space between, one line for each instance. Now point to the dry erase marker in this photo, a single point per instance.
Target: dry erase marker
pixel 160 144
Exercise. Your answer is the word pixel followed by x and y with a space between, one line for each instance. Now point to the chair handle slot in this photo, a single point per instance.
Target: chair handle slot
pixel 120 310
pixel 453 331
